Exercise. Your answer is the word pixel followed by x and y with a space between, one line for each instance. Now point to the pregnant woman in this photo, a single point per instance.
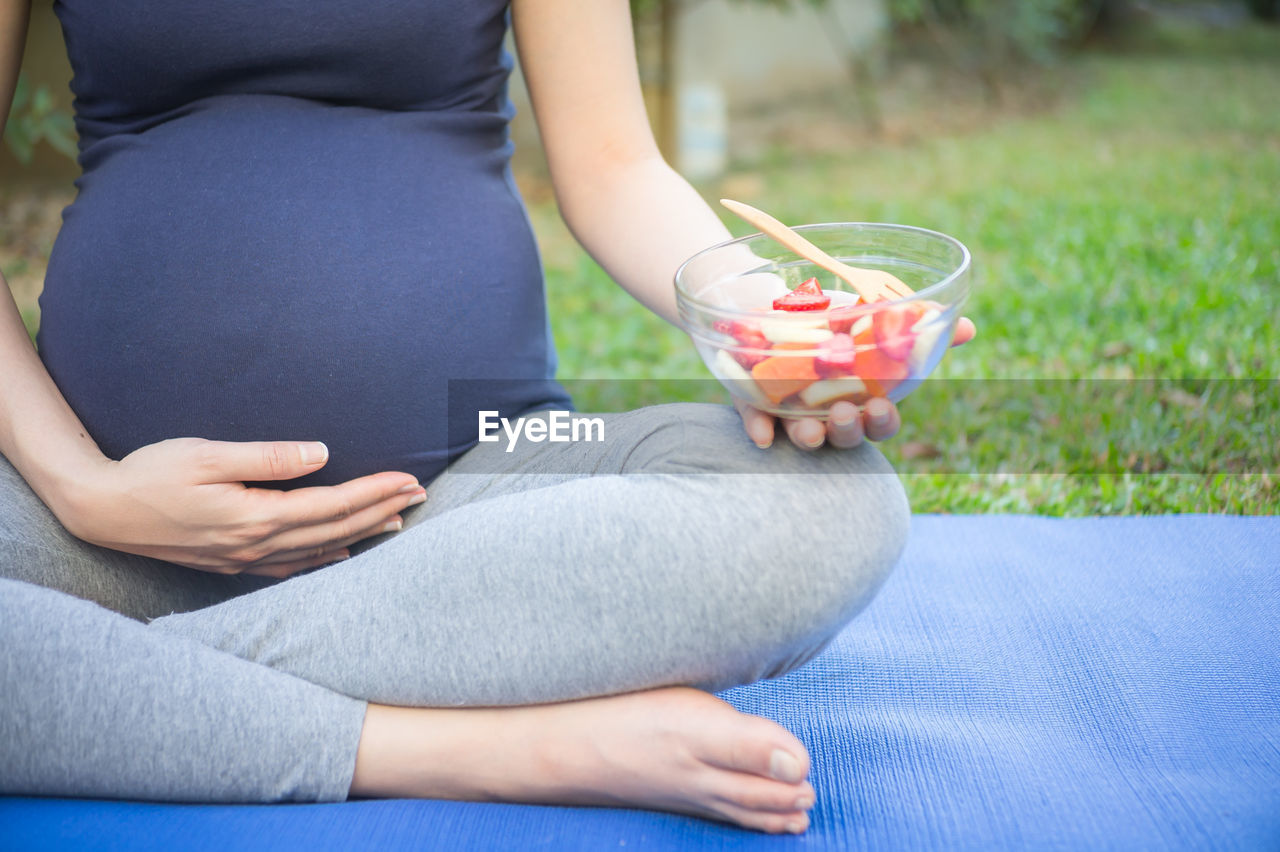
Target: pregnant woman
pixel 296 224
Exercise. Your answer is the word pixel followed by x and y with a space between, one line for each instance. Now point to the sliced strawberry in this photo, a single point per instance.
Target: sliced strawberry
pixel 748 358
pixel 750 339
pixel 893 332
pixel 835 356
pixel 841 319
pixel 745 332
pixel 746 336
pixel 807 296
pixel 797 301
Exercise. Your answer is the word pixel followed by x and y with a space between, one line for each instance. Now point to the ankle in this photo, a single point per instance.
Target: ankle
pixel 436 753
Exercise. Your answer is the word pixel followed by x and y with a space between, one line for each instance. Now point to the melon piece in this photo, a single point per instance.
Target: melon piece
pixel 826 391
pixel 878 371
pixel 782 375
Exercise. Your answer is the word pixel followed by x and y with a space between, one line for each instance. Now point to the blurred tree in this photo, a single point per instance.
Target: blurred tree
pixel 987 38
pixel 1266 10
pixel 656 22
pixel 35 116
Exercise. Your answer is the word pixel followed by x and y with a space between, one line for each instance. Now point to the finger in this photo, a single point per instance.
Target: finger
pixel 315 539
pixel 259 461
pixel 881 420
pixel 965 330
pixel 806 433
pixel 758 424
pixel 844 425
pixel 325 503
pixel 288 569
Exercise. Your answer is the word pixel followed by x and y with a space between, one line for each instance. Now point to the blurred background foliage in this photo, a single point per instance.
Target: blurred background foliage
pixel 1114 166
pixel 36 117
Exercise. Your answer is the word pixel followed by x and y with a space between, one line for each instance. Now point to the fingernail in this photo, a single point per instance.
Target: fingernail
pixel 878 412
pixel 814 444
pixel 420 497
pixel 843 419
pixel 313 453
pixel 795 827
pixel 409 488
pixel 762 440
pixel 783 766
pixel 341 555
pixel 393 526
pixel 804 803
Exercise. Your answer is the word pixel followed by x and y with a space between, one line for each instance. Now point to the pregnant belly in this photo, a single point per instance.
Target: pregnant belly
pixel 264 268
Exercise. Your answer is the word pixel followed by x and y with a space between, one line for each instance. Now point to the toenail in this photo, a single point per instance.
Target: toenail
pixel 784 767
pixel 804 803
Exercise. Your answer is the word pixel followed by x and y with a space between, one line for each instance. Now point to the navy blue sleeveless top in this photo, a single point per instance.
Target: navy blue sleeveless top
pixel 296 221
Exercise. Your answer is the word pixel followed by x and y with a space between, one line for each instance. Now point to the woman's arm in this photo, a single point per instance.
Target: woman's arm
pixel 632 212
pixel 42 438
pixel 180 500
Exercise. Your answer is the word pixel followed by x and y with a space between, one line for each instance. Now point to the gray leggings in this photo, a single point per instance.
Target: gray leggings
pixel 672 552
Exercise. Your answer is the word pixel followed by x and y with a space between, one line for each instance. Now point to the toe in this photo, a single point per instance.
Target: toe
pixel 796 822
pixel 753 793
pixel 759 747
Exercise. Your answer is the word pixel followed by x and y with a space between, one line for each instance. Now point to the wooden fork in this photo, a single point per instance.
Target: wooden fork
pixel 873 285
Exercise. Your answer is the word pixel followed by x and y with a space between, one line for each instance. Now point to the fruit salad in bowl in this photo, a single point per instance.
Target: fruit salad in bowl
pixel 792 339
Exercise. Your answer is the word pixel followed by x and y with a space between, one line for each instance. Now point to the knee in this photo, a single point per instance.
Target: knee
pixel 788 545
pixel 817 548
pixel 846 533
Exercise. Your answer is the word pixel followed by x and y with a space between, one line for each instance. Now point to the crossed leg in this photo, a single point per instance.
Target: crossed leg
pixel 526 581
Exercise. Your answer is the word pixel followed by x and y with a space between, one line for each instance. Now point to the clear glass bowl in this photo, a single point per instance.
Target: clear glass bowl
pixel 799 363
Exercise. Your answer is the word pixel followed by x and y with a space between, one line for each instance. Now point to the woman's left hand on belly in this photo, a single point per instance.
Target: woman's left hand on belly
pixel 185 501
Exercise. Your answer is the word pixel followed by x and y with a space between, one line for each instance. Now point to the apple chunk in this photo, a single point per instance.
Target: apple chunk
pixel 740 381
pixel 830 390
pixel 927 331
pixel 795 331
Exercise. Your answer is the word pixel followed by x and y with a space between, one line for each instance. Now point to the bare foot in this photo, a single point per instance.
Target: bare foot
pixel 668 749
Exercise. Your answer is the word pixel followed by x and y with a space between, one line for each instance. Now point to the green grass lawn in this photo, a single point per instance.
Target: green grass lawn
pixel 1126 237
pixel 1131 231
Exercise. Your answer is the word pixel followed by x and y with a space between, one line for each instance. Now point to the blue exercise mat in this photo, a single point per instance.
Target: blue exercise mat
pixel 1020 682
